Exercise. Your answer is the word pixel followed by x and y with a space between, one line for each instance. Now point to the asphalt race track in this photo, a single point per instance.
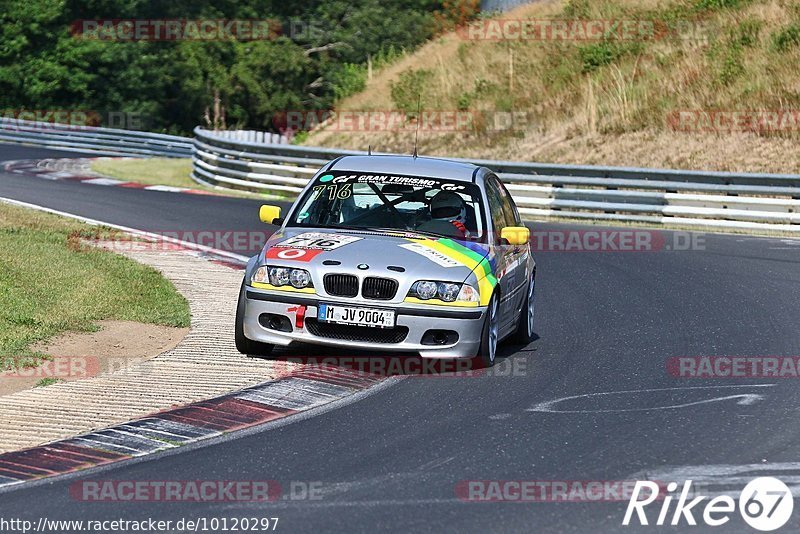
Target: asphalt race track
pixel 608 322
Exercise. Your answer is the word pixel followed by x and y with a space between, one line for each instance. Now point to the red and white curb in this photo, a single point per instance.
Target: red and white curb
pixel 295 393
pixel 77 170
pixel 298 391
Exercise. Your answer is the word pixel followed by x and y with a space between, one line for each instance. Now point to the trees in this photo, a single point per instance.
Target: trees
pixel 305 64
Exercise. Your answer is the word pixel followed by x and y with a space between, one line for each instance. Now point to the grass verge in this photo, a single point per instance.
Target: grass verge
pixel 49 285
pixel 175 172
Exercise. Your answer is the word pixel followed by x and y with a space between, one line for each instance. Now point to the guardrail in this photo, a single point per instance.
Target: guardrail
pixel 701 199
pixel 256 161
pixel 100 141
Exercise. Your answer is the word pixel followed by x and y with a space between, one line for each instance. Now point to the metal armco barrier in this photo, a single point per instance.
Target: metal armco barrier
pixel 100 141
pixel 702 199
pixel 263 162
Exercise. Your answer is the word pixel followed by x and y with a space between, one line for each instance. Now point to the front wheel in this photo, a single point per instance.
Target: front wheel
pixel 491 329
pixel 524 333
pixel 243 344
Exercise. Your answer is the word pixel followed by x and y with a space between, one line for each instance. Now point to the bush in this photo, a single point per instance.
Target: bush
pixel 787 38
pixel 719 4
pixel 349 79
pixel 748 32
pixel 455 13
pixel 597 55
pixel 577 9
pixel 464 101
pixel 732 66
pixel 409 90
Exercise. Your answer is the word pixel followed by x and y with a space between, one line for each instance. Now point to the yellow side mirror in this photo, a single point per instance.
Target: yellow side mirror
pixel 515 235
pixel 268 214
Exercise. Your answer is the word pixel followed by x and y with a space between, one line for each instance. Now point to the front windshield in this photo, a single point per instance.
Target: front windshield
pixel 390 202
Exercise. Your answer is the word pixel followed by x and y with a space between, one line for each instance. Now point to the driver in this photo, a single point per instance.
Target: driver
pixel 448 206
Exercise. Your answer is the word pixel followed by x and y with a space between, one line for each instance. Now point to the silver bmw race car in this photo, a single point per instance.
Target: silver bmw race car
pixel 392 253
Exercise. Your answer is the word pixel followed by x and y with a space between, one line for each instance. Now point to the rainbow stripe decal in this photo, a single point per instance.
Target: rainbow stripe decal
pixel 471 255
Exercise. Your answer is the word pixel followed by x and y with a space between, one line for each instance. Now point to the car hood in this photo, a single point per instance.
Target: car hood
pixel 383 254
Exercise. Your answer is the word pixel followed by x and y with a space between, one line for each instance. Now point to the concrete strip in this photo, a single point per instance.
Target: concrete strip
pixel 167 188
pixel 168 430
pixel 204 365
pixel 294 393
pixel 80 169
pixel 102 181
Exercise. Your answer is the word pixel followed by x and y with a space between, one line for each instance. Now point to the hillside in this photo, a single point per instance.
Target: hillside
pixel 711 84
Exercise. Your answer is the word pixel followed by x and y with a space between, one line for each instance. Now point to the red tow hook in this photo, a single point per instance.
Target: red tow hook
pixel 299 317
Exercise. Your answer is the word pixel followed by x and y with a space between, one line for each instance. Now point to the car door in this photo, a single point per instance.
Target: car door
pixel 517 256
pixel 504 253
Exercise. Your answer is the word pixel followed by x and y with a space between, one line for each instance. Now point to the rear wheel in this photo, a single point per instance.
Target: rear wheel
pixel 243 344
pixel 491 330
pixel 524 333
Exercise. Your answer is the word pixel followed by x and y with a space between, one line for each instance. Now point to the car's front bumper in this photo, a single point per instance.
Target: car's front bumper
pixel 466 322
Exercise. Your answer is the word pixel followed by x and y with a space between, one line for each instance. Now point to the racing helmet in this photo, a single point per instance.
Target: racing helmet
pixel 448 206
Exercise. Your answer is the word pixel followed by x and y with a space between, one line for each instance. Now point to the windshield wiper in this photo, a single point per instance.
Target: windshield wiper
pixel 401 231
pixel 382 230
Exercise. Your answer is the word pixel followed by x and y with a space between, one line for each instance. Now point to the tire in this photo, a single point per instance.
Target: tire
pixel 490 334
pixel 524 333
pixel 243 344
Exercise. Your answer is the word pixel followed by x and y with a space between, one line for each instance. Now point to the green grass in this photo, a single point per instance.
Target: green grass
pixel 175 172
pixel 51 284
pixel 47 382
pixel 156 171
pixel 786 38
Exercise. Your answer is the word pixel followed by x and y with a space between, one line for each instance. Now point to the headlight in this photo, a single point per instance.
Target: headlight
pixel 449 292
pixel 278 276
pixel 299 278
pixel 282 276
pixel 425 289
pixel 444 291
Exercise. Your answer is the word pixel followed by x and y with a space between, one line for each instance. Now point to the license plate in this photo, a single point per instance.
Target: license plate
pixel 357 316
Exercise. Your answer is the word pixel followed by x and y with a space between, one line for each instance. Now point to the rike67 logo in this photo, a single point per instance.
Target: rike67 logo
pixel 765 504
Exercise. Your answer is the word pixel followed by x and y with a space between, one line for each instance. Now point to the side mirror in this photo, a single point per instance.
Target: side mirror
pixel 270 214
pixel 515 235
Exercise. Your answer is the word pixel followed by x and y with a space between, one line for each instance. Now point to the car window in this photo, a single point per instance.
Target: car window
pixel 510 214
pixel 342 199
pixel 496 212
